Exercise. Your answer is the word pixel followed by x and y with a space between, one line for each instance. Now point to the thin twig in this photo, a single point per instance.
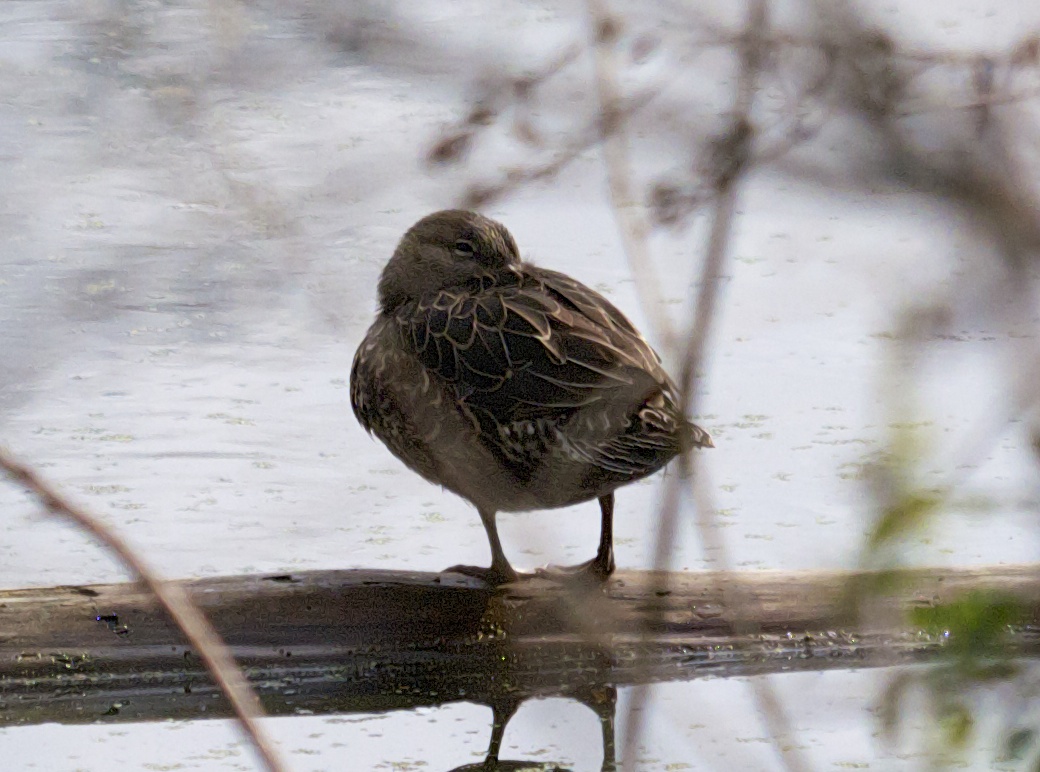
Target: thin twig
pixel 631 223
pixel 214 654
pixel 992 100
pixel 483 194
pixel 732 157
pixel 1023 53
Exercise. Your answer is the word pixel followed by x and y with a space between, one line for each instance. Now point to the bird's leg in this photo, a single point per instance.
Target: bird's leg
pixel 601 566
pixel 502 711
pixel 499 562
pixel 603 563
pixel 500 572
pixel 602 700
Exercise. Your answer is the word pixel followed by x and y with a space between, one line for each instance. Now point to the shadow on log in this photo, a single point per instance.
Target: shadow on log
pixel 347 641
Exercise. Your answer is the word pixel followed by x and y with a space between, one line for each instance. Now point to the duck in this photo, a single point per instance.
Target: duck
pixel 513 386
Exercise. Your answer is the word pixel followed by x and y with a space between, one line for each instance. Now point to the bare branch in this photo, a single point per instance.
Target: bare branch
pixel 482 194
pixel 731 157
pixel 627 210
pixel 196 628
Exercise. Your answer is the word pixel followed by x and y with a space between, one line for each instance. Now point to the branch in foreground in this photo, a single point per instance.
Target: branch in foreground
pixel 731 161
pixel 631 222
pixel 171 596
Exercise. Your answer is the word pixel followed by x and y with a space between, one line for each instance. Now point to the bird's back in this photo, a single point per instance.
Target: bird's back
pixel 554 382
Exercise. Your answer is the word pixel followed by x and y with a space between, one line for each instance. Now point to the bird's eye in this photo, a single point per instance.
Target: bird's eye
pixel 465 248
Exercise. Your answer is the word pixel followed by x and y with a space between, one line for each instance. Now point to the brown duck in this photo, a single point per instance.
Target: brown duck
pixel 515 387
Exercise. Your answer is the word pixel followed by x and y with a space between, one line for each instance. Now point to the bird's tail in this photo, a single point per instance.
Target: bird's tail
pixel 694 436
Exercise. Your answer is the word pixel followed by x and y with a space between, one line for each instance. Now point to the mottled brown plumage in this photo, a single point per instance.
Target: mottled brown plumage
pixel 516 387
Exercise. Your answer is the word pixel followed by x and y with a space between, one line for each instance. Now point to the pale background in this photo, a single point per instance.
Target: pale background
pixel 197 199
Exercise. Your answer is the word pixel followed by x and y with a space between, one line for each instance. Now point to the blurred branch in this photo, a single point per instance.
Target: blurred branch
pixel 978 168
pixel 626 208
pixel 731 157
pixel 987 80
pixel 1023 53
pixel 214 654
pixel 979 177
pixel 482 194
pixel 496 95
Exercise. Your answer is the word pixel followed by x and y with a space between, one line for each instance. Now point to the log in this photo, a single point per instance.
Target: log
pixel 345 641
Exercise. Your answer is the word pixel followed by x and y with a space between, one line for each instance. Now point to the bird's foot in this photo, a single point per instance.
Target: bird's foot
pixel 598 569
pixel 493 576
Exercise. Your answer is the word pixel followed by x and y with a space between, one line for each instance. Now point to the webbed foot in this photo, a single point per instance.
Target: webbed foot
pixel 598 569
pixel 493 576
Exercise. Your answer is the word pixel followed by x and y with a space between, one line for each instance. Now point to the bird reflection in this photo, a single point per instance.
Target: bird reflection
pixel 601 700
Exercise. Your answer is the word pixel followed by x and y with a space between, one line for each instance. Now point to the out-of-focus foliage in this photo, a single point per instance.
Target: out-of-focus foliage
pixel 979 658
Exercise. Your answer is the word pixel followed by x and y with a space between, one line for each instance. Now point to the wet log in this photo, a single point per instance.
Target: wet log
pixel 344 641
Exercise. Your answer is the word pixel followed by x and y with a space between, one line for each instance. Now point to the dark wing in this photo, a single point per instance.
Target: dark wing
pixel 539 348
pixel 542 356
pixel 600 311
pixel 660 425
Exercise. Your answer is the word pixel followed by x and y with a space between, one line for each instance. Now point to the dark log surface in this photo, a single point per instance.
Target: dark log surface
pixel 339 641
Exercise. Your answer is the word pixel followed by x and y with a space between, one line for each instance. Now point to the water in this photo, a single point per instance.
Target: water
pixel 197 201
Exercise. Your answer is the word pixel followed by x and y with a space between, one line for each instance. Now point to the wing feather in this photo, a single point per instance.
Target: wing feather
pixel 535 352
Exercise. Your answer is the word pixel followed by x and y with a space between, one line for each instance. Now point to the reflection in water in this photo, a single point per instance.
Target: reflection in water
pixel 350 642
pixel 602 701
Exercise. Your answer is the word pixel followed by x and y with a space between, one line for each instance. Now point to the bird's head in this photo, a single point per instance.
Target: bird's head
pixel 444 250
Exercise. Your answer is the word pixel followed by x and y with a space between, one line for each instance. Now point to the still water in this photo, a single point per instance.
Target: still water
pixel 197 199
